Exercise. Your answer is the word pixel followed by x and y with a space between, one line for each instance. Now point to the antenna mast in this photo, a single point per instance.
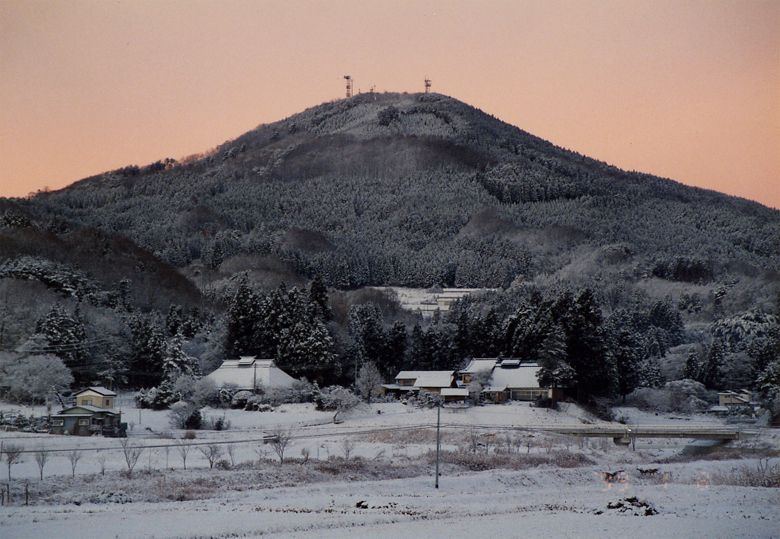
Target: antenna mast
pixel 427 85
pixel 349 85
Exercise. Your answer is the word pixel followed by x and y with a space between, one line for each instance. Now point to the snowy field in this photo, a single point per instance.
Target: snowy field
pixel 499 477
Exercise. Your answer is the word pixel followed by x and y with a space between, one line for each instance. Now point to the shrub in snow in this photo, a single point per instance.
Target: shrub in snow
pixel 256 403
pixel 335 398
pixel 692 404
pixel 651 399
pixel 157 398
pixel 219 423
pixel 186 416
pixel 426 399
pixel 225 395
pixel 240 399
pixel 685 394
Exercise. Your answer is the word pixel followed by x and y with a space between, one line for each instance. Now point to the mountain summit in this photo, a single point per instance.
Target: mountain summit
pixel 415 190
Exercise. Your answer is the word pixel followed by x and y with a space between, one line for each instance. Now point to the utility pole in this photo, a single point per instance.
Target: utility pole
pixel 438 438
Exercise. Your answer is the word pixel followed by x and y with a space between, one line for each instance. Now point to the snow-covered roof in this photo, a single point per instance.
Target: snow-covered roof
pixel 243 373
pixel 409 375
pixel 522 376
pixel 88 410
pixel 509 373
pixel 98 389
pixel 454 392
pixel 427 378
pixel 479 365
pixel 494 389
pixel 435 379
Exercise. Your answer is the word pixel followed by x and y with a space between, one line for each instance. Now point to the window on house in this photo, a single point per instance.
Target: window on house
pixel 58 423
pixel 86 402
pixel 108 402
pixel 83 422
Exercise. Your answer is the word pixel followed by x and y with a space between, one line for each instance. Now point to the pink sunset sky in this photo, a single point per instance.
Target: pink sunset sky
pixel 683 89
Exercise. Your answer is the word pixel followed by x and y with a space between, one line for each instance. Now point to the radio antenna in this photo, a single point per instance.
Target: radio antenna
pixel 349 85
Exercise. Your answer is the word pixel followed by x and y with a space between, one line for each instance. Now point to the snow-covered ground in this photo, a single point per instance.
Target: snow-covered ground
pixel 388 491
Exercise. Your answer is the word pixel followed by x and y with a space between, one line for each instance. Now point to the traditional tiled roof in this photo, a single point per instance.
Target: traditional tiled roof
pixel 428 378
pixel 243 372
pixel 479 365
pixel 508 373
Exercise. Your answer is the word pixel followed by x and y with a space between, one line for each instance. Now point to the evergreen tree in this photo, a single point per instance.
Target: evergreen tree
pixel 650 373
pixel 365 326
pixel 416 353
pixel 527 331
pixel 768 385
pixel 318 294
pixel 276 316
pixel 397 342
pixel 66 338
pixel 305 349
pixel 711 374
pixel 177 362
pixel 486 335
pixel 243 318
pixel 555 371
pixel 624 350
pixel 147 352
pixel 174 320
pixel 692 366
pixel 580 320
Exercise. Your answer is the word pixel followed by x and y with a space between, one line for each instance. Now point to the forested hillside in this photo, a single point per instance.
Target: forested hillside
pixel 629 277
pixel 411 190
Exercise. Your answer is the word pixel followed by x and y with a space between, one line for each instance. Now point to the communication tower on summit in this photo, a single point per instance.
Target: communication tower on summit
pixel 427 85
pixel 349 85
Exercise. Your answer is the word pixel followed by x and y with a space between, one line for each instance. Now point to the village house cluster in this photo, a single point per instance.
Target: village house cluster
pixel 485 380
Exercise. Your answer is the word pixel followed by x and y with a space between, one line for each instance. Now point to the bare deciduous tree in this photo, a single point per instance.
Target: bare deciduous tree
pixel 474 439
pixel 183 446
pixel 368 381
pixel 280 440
pixel 132 454
pixel 41 458
pixel 74 456
pixel 347 445
pixel 13 455
pixel 101 458
pixel 212 452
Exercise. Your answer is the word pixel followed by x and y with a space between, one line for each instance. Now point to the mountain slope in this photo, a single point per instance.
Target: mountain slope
pixel 414 190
